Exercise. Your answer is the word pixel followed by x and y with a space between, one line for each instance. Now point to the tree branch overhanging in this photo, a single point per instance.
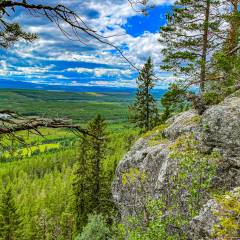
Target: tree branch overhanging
pixel 61 14
pixel 11 123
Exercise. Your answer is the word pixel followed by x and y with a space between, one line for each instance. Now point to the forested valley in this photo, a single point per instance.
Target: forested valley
pixel 139 163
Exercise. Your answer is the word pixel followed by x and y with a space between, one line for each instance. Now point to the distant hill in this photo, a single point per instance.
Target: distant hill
pixel 7 84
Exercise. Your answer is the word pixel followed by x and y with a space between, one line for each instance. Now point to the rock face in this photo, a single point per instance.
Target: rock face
pixel 142 161
pixel 220 127
pixel 183 123
pixel 202 226
pixel 146 168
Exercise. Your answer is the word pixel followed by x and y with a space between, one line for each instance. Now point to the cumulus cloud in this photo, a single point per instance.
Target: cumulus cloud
pixel 108 19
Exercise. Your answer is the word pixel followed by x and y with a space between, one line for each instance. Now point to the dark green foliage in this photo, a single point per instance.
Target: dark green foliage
pixel 174 101
pixel 188 39
pixel 225 77
pixel 92 184
pixel 82 184
pixel 144 112
pixel 10 222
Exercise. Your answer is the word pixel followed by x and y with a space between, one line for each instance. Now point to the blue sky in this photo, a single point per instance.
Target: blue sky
pixel 55 60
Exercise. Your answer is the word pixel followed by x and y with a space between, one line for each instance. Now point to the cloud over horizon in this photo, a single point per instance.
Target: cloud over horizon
pixel 54 59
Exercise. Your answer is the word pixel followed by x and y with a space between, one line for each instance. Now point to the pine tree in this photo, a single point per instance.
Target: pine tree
pixel 10 222
pixel 233 17
pixel 98 145
pixel 191 36
pixel 91 185
pixel 144 112
pixel 81 185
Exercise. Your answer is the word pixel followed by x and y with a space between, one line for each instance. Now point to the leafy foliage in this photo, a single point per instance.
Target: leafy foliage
pixel 189 37
pixel 96 229
pixel 174 101
pixel 227 227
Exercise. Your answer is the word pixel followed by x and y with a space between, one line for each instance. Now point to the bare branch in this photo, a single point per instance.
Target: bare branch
pixel 10 123
pixel 60 13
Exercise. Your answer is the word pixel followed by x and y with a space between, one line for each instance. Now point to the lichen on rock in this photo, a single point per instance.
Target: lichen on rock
pixel 192 158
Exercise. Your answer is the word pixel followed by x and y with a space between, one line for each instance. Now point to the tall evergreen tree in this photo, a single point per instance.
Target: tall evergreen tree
pixel 144 112
pixel 191 36
pixel 91 185
pixel 98 145
pixel 81 185
pixel 233 17
pixel 10 222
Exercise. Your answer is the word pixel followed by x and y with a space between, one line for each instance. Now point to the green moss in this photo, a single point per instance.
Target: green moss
pixel 156 136
pixel 133 175
pixel 157 130
pixel 196 119
pixel 228 225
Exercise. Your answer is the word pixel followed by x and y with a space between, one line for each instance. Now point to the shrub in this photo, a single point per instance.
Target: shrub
pixel 96 229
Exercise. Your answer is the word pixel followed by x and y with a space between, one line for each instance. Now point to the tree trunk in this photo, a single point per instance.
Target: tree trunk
pixel 147 108
pixel 232 42
pixel 205 46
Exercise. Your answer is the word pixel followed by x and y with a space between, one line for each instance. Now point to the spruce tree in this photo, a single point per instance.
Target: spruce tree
pixel 144 112
pixel 81 185
pixel 98 147
pixel 10 222
pixel 190 37
pixel 91 184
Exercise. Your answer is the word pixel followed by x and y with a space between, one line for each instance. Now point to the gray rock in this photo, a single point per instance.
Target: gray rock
pixel 220 126
pixel 202 226
pixel 182 123
pixel 220 130
pixel 146 171
pixel 139 176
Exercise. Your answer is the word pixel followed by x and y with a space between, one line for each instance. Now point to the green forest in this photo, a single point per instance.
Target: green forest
pixel 145 163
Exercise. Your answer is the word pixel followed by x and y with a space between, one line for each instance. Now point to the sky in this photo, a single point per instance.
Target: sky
pixel 53 59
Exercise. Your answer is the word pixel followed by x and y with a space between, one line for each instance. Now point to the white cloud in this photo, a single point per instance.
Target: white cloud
pixel 54 46
pixel 98 72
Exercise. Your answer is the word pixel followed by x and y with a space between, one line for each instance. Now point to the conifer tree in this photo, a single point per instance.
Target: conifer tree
pixel 191 36
pixel 98 147
pixel 81 184
pixel 144 112
pixel 91 184
pixel 10 222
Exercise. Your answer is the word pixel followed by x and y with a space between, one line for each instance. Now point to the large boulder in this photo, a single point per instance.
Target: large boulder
pixel 148 168
pixel 220 130
pixel 182 123
pixel 139 175
pixel 221 126
pixel 145 170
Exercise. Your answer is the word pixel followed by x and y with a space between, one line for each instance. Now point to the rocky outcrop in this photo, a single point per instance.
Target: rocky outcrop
pixel 144 171
pixel 220 128
pixel 203 226
pixel 139 176
pixel 147 169
pixel 183 123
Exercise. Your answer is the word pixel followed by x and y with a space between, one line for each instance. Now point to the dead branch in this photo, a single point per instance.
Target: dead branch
pixel 11 123
pixel 61 14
